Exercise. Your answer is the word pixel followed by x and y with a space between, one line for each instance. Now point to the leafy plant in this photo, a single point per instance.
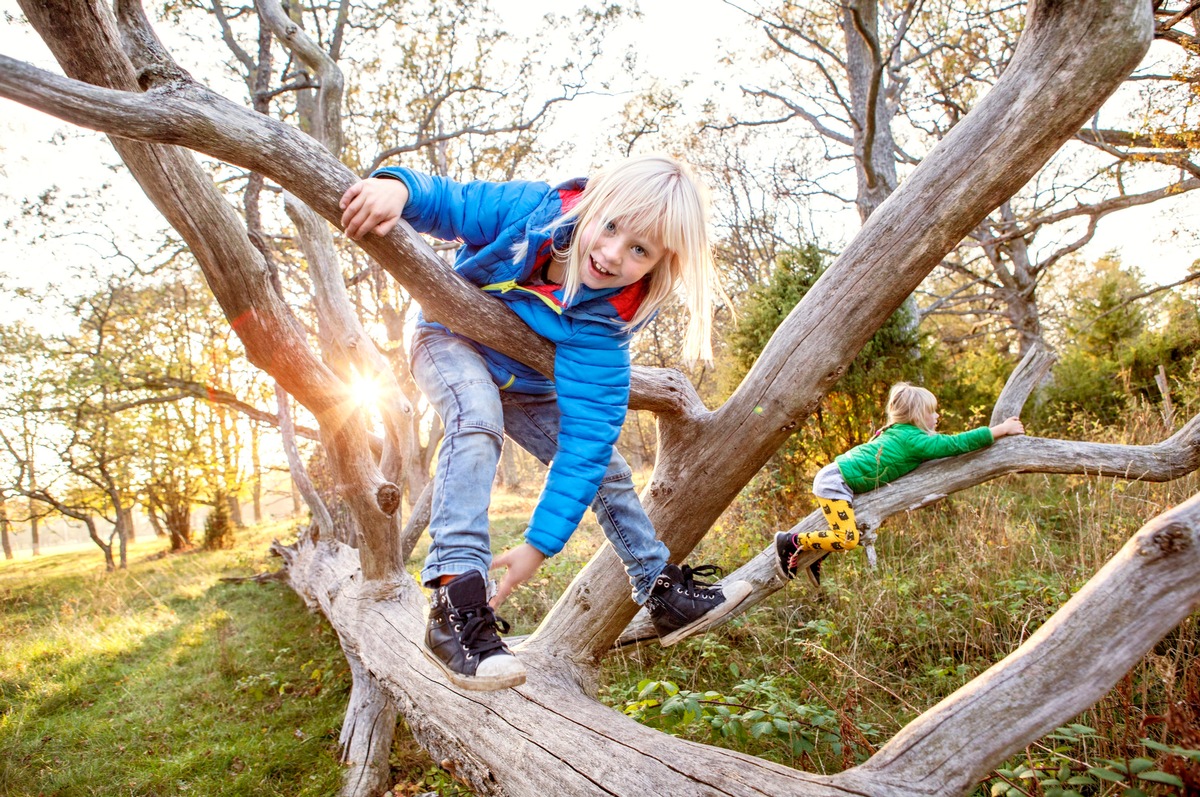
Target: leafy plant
pixel 757 710
pixel 1064 771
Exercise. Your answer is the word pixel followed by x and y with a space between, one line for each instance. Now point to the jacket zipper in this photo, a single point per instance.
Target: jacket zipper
pixel 511 285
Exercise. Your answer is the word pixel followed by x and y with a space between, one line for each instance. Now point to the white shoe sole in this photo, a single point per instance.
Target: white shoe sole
pixel 735 592
pixel 477 683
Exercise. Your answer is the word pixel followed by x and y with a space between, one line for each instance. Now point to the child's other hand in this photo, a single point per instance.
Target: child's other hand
pixel 1010 426
pixel 522 562
pixel 372 205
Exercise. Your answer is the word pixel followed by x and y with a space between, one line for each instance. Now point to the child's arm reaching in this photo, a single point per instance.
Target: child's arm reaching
pixel 373 205
pixel 1008 427
pixel 522 562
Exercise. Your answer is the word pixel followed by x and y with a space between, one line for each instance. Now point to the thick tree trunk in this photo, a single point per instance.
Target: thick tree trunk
pixel 177 515
pixel 235 511
pixel 367 733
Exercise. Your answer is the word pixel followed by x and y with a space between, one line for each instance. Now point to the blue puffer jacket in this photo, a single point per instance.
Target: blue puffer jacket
pixel 591 363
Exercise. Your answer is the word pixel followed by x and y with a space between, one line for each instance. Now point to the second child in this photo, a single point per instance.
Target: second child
pixel 909 439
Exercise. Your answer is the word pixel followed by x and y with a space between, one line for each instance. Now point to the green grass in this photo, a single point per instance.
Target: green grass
pixel 163 680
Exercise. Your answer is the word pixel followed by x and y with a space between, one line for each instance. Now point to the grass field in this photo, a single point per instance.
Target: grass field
pixel 164 680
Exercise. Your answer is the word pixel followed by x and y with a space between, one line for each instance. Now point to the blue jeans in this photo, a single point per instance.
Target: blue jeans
pixel 476 415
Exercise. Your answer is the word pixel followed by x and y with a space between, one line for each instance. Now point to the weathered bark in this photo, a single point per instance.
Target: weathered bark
pixel 367 733
pixel 549 736
pixel 370 722
pixel 1034 366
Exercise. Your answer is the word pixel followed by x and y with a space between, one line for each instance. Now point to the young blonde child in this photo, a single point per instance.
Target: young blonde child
pixel 909 439
pixel 584 264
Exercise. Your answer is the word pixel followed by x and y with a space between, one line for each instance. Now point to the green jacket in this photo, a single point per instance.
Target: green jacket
pixel 899 449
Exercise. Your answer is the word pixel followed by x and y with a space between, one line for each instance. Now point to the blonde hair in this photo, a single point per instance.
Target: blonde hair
pixel 910 404
pixel 659 196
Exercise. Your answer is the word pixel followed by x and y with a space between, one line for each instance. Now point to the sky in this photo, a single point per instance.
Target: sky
pixel 674 39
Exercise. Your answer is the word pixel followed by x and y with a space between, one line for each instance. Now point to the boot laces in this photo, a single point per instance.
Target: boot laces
pixel 690 582
pixel 481 630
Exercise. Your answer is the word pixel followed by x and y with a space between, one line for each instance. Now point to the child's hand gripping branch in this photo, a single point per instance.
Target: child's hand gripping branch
pixel 584 264
pixel 908 440
pixel 373 205
pixel 1009 426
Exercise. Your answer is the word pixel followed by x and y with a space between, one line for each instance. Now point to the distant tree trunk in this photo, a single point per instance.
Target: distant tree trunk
pixel 105 547
pixel 509 474
pixel 4 540
pixel 127 524
pixel 122 534
pixel 235 511
pixel 178 517
pixel 867 69
pixel 35 543
pixel 1017 276
pixel 256 477
pixel 152 515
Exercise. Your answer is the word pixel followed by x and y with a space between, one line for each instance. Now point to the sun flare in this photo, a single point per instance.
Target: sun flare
pixel 365 391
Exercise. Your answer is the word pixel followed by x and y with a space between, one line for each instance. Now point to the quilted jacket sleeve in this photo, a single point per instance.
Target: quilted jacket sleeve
pixel 591 375
pixel 936 446
pixel 475 213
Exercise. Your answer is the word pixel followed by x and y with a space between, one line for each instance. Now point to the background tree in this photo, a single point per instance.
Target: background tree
pixel 878 85
pixel 25 425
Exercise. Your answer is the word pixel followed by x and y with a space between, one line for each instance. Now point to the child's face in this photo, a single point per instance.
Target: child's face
pixel 931 418
pixel 619 256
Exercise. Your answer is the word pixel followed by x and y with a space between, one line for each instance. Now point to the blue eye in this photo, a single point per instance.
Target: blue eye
pixel 639 251
pixel 610 226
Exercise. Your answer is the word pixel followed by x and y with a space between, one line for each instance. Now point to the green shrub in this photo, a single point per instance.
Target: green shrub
pixel 218 526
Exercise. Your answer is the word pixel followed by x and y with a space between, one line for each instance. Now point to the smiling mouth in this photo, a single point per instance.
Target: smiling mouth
pixel 601 269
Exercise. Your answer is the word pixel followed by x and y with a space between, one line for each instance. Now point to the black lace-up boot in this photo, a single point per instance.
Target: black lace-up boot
pixel 463 637
pixel 681 606
pixel 787 551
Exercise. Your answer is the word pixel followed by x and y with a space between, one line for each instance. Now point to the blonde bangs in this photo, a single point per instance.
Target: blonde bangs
pixel 658 196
